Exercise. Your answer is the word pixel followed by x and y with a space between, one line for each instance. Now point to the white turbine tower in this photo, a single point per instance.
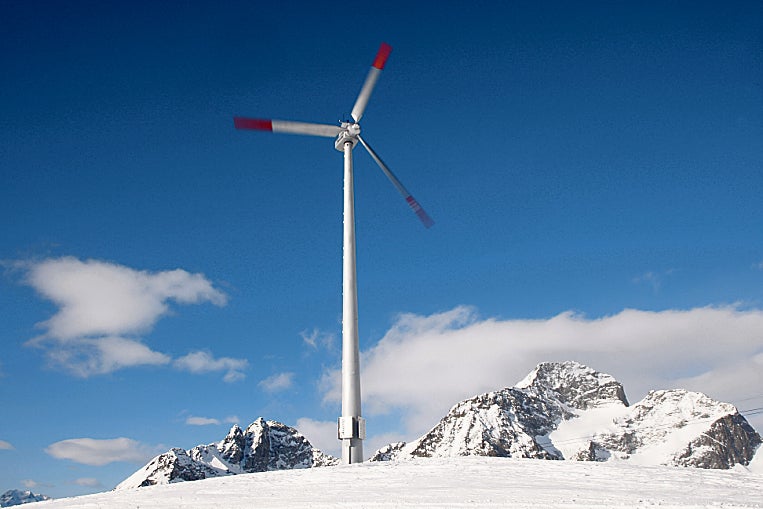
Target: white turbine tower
pixel 351 425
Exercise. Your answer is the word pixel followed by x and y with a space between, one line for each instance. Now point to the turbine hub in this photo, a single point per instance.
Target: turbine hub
pixel 349 134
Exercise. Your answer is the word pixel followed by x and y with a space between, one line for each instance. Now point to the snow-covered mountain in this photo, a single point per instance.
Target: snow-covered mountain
pixel 18 497
pixel 569 411
pixel 263 446
pixel 559 411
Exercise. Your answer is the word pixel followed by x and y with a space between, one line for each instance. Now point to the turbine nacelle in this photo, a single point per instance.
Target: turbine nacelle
pixel 349 134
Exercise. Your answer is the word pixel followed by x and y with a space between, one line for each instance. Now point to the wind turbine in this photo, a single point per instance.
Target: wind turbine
pixel 351 425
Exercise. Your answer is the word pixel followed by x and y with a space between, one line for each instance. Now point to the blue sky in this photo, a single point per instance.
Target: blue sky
pixel 594 172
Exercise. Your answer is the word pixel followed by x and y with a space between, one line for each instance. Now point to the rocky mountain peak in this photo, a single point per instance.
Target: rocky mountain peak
pixel 574 385
pixel 257 426
pixel 264 445
pixel 235 431
pixel 232 447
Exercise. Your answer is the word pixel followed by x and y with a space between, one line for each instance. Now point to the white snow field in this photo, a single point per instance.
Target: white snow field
pixel 452 482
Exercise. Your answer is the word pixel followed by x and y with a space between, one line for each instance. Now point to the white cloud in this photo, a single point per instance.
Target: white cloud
pixel 322 434
pixel 310 338
pixel 277 382
pixel 89 482
pixel 5 446
pixel 233 376
pixel 653 279
pixel 737 381
pixel 97 298
pixel 90 451
pixel 200 362
pixel 103 306
pixel 650 278
pixel 87 357
pixel 193 420
pixel 316 339
pixel 425 364
pixel 31 484
pixel 201 421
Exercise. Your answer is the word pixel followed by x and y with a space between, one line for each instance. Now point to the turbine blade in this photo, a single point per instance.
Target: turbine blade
pixel 417 209
pixel 371 78
pixel 287 126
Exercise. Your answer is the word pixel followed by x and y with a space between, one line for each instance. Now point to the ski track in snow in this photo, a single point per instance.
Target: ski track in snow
pixel 454 482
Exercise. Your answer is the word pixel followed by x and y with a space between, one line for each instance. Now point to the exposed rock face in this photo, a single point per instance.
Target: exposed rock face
pixel 729 441
pixel 569 411
pixel 570 384
pixel 18 497
pixel 501 423
pixel 265 445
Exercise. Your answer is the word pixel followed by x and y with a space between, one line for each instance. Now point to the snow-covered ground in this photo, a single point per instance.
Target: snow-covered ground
pixel 452 482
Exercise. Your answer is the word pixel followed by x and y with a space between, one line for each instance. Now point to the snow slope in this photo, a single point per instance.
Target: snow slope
pixel 673 427
pixel 451 482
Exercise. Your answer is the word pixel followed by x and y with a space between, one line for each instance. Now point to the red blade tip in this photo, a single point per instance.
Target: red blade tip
pixel 382 56
pixel 252 123
pixel 423 216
